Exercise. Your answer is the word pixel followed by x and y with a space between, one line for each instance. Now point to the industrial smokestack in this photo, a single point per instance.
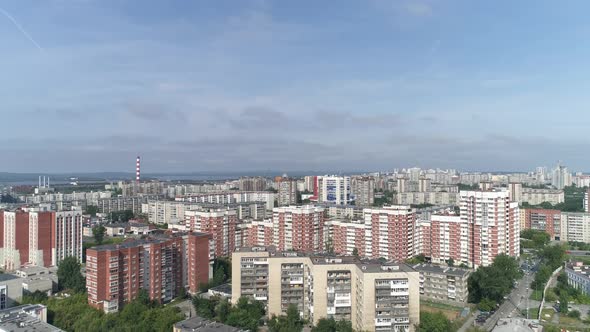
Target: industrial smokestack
pixel 137 170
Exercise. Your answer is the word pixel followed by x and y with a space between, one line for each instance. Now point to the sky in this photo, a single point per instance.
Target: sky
pixel 86 85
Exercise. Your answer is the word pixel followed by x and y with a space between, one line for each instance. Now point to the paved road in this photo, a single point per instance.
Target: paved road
pixel 515 301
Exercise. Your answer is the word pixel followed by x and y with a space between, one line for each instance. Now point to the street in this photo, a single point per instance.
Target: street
pixel 515 301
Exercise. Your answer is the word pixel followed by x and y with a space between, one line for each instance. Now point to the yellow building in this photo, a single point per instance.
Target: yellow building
pixel 374 296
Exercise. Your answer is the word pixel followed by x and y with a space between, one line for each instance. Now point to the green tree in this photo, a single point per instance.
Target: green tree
pixel 563 303
pixel 98 232
pixel 434 322
pixel 574 314
pixel 355 252
pixel 451 262
pixel 331 325
pixel 69 276
pixel 292 322
pixel 223 310
pixel 494 281
pixel 486 304
pixel 92 210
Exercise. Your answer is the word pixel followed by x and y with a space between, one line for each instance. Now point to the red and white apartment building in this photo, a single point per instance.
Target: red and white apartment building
pixel 387 232
pixel 493 225
pixel 161 266
pixel 39 238
pixel 220 223
pixel 545 220
pixel 299 228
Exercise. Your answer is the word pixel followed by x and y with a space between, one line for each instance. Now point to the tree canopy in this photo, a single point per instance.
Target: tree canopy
pixel 434 322
pixel 69 276
pixel 246 314
pixel 495 281
pixel 98 232
pixel 291 322
pixel 331 325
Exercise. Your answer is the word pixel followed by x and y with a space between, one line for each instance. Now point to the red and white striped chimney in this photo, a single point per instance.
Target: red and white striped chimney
pixel 137 170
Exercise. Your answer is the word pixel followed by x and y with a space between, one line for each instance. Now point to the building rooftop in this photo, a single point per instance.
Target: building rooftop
pixel 224 288
pixel 367 265
pixel 198 324
pixel 455 271
pixel 7 277
pixel 25 318
pixel 579 269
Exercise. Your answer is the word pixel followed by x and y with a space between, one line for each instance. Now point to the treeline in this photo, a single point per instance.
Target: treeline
pixel 249 314
pixel 534 239
pixel 552 257
pixel 73 313
pixel 488 285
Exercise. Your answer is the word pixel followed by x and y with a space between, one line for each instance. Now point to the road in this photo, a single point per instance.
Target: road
pixel 515 301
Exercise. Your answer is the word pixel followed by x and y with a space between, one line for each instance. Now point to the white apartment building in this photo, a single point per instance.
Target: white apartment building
pixel 432 197
pixel 538 196
pixel 575 226
pixel 334 189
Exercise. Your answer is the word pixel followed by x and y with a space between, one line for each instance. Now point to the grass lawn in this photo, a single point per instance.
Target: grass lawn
pixel 537 295
pixel 451 312
pixel 533 313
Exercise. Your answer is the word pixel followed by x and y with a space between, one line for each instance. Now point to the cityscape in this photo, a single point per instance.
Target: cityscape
pixel 294 166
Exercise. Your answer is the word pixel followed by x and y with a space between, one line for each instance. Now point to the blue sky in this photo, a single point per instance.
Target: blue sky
pixel 293 85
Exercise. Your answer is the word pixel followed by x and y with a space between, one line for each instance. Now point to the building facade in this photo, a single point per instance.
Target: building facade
pixel 220 223
pixel 373 296
pixel 363 190
pixel 575 226
pixel 299 228
pixel 334 189
pixel 257 183
pixel 392 232
pixel 115 274
pixel 443 284
pixel 494 226
pixel 39 238
pixel 286 191
pixel 578 276
pixel 548 221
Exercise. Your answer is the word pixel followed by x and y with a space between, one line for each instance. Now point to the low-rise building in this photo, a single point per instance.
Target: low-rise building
pixel 578 276
pixel 25 318
pixel 198 324
pixel 11 290
pixel 374 296
pixel 443 284
pixel 535 196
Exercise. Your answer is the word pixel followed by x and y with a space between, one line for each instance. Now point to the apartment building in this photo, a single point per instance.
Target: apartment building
pixel 442 238
pixel 363 190
pixel 259 233
pixel 115 274
pixel 443 284
pixel 392 232
pixel 548 221
pixel 287 191
pixel 494 226
pixel 123 203
pixel 537 196
pixel 587 201
pixel 220 223
pixel 373 296
pixel 429 197
pixel 299 228
pixel 167 212
pixel 578 276
pixel 334 189
pixel 224 198
pixel 343 211
pixel 39 238
pixel 257 183
pixel 575 226
pixel 347 235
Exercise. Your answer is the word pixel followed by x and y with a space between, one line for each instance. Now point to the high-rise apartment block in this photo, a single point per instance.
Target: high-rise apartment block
pixel 299 228
pixel 575 226
pixel 494 226
pixel 260 233
pixel 287 191
pixel 39 238
pixel 252 183
pixel 391 233
pixel 373 296
pixel 363 190
pixel 334 189
pixel 220 223
pixel 442 238
pixel 115 274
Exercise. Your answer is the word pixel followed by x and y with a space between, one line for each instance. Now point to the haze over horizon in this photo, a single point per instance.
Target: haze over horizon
pixel 280 85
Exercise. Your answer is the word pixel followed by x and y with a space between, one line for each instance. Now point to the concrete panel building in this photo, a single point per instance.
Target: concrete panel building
pixel 373 296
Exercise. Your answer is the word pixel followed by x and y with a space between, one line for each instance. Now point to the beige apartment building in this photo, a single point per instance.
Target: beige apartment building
pixel 374 296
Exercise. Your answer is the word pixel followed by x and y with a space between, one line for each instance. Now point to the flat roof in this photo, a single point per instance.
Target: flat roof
pixel 24 319
pixel 456 271
pixel 6 277
pixel 199 324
